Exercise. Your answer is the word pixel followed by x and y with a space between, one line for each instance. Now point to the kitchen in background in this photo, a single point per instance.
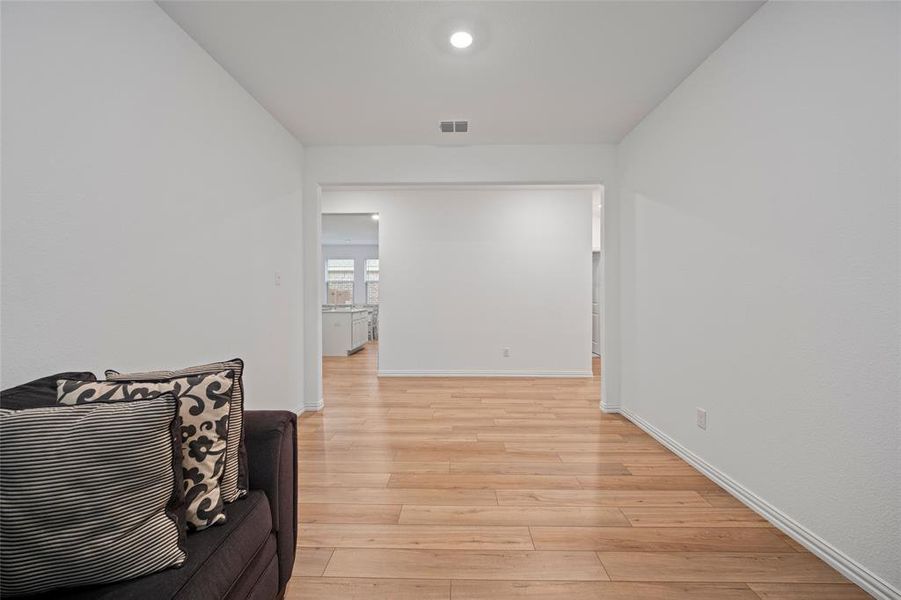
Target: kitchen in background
pixel 350 271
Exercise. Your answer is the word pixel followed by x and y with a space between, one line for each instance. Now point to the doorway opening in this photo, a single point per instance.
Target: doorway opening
pixel 597 279
pixel 349 278
pixel 350 285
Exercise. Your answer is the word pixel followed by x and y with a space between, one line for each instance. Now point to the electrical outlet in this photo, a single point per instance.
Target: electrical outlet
pixel 506 351
pixel 278 279
pixel 702 418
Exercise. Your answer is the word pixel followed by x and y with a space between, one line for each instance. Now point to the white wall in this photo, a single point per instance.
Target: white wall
pixel 359 253
pixel 760 270
pixel 448 164
pixel 467 272
pixel 147 202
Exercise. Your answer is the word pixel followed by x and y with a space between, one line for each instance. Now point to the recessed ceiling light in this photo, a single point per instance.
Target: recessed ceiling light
pixel 375 217
pixel 461 39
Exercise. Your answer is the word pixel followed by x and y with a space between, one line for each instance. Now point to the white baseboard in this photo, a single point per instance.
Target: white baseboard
pixel 426 373
pixel 314 408
pixel 609 407
pixel 854 571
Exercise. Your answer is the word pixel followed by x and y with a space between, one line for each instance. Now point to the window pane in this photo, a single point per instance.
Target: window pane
pixel 372 269
pixel 340 264
pixel 339 269
pixel 340 292
pixel 372 292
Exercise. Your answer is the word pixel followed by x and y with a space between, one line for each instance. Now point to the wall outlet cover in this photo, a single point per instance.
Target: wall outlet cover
pixel 702 418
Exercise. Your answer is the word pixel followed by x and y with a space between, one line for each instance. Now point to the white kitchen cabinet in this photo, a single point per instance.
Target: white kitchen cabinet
pixel 344 331
pixel 360 329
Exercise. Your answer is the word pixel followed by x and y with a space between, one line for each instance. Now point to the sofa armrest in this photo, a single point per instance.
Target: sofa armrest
pixel 271 440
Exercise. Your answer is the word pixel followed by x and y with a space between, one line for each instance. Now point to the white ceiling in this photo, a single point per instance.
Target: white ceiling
pixel 349 229
pixel 384 73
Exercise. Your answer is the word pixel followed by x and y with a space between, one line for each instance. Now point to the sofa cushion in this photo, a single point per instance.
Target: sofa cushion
pixel 260 578
pixel 218 559
pixel 264 584
pixel 203 405
pixel 40 392
pixel 234 479
pixel 89 494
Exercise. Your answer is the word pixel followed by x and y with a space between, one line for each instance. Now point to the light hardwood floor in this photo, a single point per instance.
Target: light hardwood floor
pixel 503 489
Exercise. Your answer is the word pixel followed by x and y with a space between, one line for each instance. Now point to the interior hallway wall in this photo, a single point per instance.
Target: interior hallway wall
pixel 760 270
pixel 148 202
pixel 466 273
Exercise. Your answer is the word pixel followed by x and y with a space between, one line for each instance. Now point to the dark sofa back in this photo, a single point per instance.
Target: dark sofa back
pixel 40 392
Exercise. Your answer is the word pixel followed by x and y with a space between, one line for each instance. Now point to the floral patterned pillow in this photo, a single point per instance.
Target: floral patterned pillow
pixel 234 478
pixel 203 407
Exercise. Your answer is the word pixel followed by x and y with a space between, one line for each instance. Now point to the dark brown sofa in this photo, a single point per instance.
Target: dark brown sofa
pixel 251 555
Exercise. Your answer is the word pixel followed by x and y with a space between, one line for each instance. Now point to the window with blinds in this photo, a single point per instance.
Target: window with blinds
pixel 339 281
pixel 371 277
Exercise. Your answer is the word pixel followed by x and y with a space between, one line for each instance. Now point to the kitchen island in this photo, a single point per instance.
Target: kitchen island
pixel 344 330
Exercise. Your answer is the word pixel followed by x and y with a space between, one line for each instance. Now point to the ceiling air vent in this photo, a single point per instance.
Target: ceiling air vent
pixel 454 126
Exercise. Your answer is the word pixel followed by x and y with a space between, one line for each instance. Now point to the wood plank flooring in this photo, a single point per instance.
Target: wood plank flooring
pixel 506 489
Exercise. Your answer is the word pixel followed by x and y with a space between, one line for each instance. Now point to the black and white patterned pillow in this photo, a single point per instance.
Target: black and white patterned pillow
pixel 234 480
pixel 203 405
pixel 89 494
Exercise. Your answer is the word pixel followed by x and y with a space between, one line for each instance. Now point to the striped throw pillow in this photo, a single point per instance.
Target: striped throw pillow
pixel 234 479
pixel 203 405
pixel 89 494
